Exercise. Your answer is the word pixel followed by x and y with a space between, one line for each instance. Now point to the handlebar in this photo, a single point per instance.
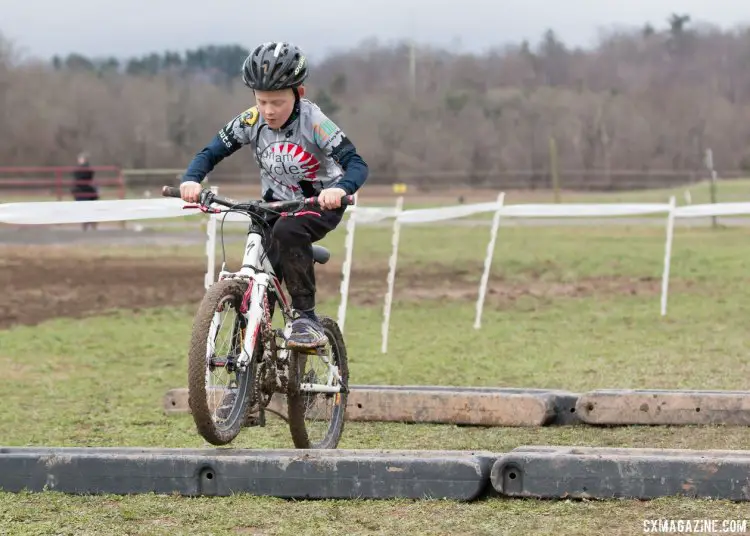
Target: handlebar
pixel 207 197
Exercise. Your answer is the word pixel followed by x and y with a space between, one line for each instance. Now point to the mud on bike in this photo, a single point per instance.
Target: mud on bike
pixel 253 355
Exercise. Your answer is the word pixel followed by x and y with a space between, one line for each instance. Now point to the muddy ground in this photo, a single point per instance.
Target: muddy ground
pixel 77 280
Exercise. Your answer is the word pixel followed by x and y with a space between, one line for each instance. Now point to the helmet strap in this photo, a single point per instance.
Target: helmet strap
pixel 295 111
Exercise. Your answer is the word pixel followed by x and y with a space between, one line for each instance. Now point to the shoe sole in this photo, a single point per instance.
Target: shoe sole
pixel 306 346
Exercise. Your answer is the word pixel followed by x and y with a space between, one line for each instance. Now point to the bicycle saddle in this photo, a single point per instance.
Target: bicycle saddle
pixel 320 254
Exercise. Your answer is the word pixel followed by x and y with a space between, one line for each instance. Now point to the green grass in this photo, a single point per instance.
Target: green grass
pixel 727 190
pixel 100 381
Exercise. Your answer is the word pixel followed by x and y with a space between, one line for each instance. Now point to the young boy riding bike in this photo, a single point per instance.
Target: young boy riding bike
pixel 301 153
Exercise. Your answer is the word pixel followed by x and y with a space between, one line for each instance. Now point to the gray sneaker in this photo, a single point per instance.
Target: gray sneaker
pixel 307 333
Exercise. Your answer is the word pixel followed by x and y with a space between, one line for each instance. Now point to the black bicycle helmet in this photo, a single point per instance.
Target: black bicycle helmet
pixel 274 65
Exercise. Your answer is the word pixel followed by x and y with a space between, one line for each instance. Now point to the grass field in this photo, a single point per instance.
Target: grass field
pixel 574 309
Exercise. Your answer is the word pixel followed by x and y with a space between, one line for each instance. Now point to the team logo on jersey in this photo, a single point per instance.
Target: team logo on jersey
pixel 249 116
pixel 288 164
pixel 324 131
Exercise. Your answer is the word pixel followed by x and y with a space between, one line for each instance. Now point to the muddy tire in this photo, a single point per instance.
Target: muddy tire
pixel 297 402
pixel 228 293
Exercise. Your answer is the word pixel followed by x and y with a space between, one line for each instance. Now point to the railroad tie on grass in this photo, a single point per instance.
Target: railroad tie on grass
pixel 546 472
pixel 479 406
pixel 284 473
pixel 606 473
pixel 664 407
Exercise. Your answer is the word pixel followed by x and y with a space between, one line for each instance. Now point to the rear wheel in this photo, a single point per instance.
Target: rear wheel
pixel 316 419
pixel 219 392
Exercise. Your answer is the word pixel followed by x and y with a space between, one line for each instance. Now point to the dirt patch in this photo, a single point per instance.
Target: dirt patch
pixel 41 285
pixel 37 288
pixel 15 371
pixel 413 286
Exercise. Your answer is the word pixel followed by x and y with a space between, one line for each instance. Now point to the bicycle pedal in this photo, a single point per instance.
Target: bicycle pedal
pixel 254 421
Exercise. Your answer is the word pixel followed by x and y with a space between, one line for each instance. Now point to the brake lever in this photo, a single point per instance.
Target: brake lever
pixel 204 203
pixel 206 197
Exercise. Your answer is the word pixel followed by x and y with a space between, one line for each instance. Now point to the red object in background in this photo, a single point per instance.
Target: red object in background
pixel 57 181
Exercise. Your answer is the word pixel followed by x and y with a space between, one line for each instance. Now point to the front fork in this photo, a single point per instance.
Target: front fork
pixel 255 316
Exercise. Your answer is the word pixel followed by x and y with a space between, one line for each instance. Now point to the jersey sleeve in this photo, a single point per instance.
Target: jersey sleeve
pixel 337 146
pixel 235 134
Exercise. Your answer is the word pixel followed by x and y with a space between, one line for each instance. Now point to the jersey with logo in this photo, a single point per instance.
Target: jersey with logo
pixel 310 153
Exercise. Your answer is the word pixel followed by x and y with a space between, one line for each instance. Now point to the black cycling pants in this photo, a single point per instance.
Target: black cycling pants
pixel 291 251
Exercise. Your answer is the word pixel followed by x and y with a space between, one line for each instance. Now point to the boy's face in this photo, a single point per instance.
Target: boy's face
pixel 276 106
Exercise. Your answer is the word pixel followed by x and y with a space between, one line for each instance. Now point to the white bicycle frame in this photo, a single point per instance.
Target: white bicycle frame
pixel 261 274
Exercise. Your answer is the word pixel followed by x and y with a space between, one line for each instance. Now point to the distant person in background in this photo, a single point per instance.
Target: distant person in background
pixel 83 184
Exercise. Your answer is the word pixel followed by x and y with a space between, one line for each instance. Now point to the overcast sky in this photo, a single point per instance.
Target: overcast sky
pixel 133 27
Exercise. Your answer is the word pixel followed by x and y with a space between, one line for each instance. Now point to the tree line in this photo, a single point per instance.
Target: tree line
pixel 650 100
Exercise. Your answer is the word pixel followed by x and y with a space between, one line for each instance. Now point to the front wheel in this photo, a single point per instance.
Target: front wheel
pixel 316 419
pixel 219 392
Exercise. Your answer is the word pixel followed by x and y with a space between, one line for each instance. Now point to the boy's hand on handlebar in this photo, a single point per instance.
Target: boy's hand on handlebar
pixel 190 192
pixel 330 198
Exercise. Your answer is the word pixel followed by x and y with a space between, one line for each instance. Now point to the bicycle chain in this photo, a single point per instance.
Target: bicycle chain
pixel 282 367
pixel 268 339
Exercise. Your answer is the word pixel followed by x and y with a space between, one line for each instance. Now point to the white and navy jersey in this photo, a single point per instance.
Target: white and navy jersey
pixel 308 154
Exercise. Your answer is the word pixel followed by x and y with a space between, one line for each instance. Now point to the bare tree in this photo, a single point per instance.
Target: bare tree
pixel 651 98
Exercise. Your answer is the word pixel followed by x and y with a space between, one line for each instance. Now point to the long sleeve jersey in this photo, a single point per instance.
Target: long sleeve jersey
pixel 308 154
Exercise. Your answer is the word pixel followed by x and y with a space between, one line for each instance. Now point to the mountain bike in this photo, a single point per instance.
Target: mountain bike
pixel 253 355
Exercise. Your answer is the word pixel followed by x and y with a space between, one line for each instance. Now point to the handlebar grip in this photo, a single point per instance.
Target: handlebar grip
pixel 170 191
pixel 347 200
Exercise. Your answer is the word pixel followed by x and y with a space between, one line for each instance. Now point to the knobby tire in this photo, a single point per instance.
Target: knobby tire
pixel 296 399
pixel 197 395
